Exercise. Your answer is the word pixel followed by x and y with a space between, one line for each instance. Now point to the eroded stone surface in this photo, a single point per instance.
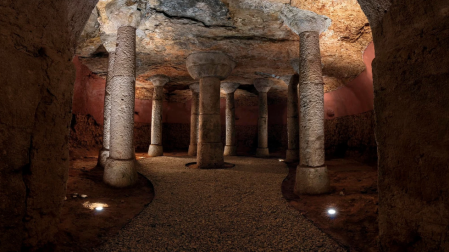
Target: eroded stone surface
pixel 254 36
pixel 119 170
pixel 292 154
pixel 156 148
pixel 194 118
pixel 209 64
pixel 229 87
pixel 263 85
pixel 104 152
pixel 303 20
pixel 208 12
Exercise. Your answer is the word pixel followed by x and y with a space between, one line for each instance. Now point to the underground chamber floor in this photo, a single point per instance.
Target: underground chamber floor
pixel 236 209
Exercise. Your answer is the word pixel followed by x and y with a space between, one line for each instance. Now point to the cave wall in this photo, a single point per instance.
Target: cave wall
pixel 38 41
pixel 411 90
pixel 357 96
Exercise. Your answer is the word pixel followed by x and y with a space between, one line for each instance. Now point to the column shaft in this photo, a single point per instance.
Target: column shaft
pixel 194 123
pixel 292 120
pixel 210 148
pixel 311 101
pixel 104 152
pixel 230 148
pixel 311 176
pixel 120 168
pixel 262 123
pixel 156 122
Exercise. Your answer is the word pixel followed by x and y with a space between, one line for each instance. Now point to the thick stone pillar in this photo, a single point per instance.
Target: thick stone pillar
pixel 155 148
pixel 194 118
pixel 104 152
pixel 292 154
pixel 311 173
pixel 229 89
pixel 209 68
pixel 263 86
pixel 120 168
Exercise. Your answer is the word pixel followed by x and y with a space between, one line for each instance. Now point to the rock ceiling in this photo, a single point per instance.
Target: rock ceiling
pixel 251 31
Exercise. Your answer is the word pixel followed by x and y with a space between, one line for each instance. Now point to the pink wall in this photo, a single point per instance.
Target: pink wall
pixel 356 97
pixel 88 95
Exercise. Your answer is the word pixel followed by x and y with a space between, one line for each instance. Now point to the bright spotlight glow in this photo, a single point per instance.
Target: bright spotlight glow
pixel 331 211
pixel 281 160
pixel 95 205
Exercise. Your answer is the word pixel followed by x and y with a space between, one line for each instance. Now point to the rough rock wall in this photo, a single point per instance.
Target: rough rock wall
pixel 35 110
pixel 411 85
pixel 351 136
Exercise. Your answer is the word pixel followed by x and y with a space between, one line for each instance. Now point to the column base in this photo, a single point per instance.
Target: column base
pixel 312 180
pixel 230 150
pixel 192 150
pixel 292 156
pixel 210 155
pixel 262 152
pixel 120 173
pixel 155 150
pixel 103 157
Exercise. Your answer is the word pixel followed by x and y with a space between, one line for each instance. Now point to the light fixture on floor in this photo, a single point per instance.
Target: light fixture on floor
pixel 331 211
pixel 95 205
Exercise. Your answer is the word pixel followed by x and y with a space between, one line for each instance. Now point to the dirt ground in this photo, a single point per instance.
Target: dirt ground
pixel 82 227
pixel 354 197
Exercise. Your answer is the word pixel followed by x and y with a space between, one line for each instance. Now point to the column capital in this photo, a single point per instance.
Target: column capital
pixel 295 64
pixel 110 46
pixel 229 87
pixel 209 64
pixel 301 21
pixel 195 87
pixel 120 13
pixel 290 79
pixel 159 80
pixel 263 85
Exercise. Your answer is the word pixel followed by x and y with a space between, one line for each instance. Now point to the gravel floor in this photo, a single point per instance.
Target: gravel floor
pixel 237 209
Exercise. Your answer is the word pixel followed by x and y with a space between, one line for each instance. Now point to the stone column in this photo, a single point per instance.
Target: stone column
pixel 311 174
pixel 120 168
pixel 209 68
pixel 292 154
pixel 156 148
pixel 229 89
pixel 104 152
pixel 263 86
pixel 194 118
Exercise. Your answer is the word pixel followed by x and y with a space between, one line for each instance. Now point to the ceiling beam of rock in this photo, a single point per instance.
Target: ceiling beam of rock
pixel 258 34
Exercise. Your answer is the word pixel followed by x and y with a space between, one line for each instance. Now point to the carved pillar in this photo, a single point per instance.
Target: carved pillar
pixel 263 86
pixel 229 89
pixel 194 119
pixel 120 168
pixel 292 154
pixel 104 152
pixel 209 68
pixel 156 148
pixel 311 174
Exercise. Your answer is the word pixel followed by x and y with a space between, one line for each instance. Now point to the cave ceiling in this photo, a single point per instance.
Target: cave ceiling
pixel 250 31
